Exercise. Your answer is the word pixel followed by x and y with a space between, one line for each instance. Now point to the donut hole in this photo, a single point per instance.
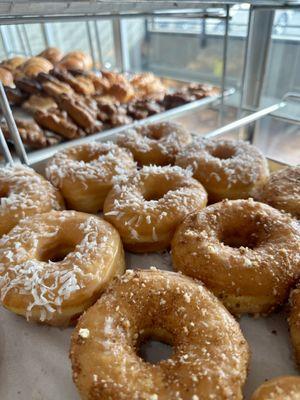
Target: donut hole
pixel 242 237
pixel 57 252
pixel 154 347
pixel 155 193
pixel 3 193
pixel 154 133
pixel 223 152
pixel 87 156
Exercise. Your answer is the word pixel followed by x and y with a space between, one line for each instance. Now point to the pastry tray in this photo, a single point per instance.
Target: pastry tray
pixel 34 358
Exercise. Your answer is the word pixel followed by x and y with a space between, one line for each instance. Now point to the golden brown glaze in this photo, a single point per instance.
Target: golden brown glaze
pixel 282 190
pixel 281 388
pixel 52 54
pixel 246 252
pixel 24 193
pixel 156 143
pixel 147 207
pixel 210 355
pixel 55 265
pixel 85 173
pixel 229 169
pixel 34 65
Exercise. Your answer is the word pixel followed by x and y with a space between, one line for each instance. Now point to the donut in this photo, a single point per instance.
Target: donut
pixel 210 354
pixel 76 60
pixel 24 193
pixel 281 388
pixel 294 321
pixel 84 174
pixel 156 143
pixel 13 63
pixel 282 190
pixel 246 252
pixel 147 206
pixel 226 168
pixel 6 77
pixel 55 265
pixel 52 54
pixel 34 65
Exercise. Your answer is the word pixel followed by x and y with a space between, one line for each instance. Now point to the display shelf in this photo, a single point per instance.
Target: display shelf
pixel 24 11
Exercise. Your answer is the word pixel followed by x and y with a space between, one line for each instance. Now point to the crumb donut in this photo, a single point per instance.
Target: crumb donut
pixel 155 144
pixel 294 321
pixel 282 190
pixel 147 207
pixel 55 265
pixel 281 388
pixel 210 354
pixel 246 252
pixel 85 173
pixel 226 168
pixel 23 193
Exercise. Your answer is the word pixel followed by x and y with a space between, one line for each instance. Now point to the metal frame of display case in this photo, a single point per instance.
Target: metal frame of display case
pixel 23 11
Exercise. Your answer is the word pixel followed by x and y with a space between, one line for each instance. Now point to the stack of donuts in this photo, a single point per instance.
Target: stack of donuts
pixel 234 235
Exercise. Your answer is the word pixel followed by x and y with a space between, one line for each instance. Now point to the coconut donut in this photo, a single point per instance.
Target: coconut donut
pixel 282 190
pixel 226 168
pixel 147 206
pixel 23 193
pixel 55 265
pixel 246 252
pixel 156 143
pixel 85 173
pixel 281 388
pixel 210 354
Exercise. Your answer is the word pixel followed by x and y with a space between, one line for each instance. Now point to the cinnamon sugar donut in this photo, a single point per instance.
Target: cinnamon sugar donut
pixel 156 143
pixel 281 388
pixel 148 205
pixel 210 354
pixel 85 173
pixel 294 321
pixel 55 265
pixel 246 252
pixel 226 168
pixel 282 190
pixel 24 193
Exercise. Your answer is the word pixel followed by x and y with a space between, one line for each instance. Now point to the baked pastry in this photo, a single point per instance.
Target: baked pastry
pixel 147 206
pixel 281 388
pixel 155 143
pixel 24 193
pixel 76 60
pixel 122 92
pixel 11 64
pixel 15 96
pixel 39 102
pixel 34 65
pixel 210 355
pixel 58 121
pixel 28 85
pixel 62 262
pixel 246 252
pixel 31 134
pixel 141 109
pixel 282 190
pixel 146 85
pixel 177 99
pixel 81 84
pixel 85 173
pixel 6 77
pixel 294 320
pixel 84 116
pixel 52 86
pixel 229 169
pixel 52 54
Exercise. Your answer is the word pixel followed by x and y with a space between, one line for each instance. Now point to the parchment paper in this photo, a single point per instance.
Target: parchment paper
pixel 34 363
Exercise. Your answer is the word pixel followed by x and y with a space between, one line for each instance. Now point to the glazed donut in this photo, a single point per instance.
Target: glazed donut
pixel 294 321
pixel 147 206
pixel 281 388
pixel 246 252
pixel 13 63
pixel 226 168
pixel 76 60
pixel 55 265
pixel 282 190
pixel 210 354
pixel 35 65
pixel 23 193
pixel 156 143
pixel 52 54
pixel 147 85
pixel 6 77
pixel 84 174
